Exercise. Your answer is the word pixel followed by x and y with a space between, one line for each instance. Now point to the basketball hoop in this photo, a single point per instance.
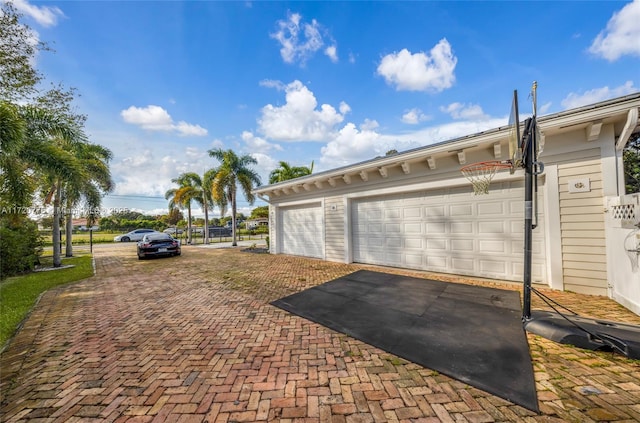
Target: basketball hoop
pixel 480 174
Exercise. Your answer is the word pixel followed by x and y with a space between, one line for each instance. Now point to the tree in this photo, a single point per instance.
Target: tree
pixel 53 182
pixel 182 197
pixel 286 172
pixel 174 216
pixel 40 133
pixel 17 53
pixel 35 145
pixel 260 212
pixel 234 170
pixel 25 134
pixel 94 160
pixel 631 159
pixel 199 189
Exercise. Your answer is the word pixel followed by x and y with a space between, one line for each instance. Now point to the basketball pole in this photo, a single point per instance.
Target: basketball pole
pixel 528 218
pixel 530 167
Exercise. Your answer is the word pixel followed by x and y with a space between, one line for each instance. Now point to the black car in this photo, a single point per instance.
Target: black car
pixel 158 244
pixel 219 231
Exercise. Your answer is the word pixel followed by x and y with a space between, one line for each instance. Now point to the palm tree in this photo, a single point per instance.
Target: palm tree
pixel 233 170
pixel 198 189
pixel 182 197
pixel 53 183
pixel 35 145
pixel 97 181
pixel 286 172
pixel 25 134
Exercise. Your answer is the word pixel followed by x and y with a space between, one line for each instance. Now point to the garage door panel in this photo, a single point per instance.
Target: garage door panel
pixel 437 263
pixel 413 243
pixel 462 245
pixel 464 264
pixel 412 228
pixel 487 228
pixel 392 228
pixel 492 246
pixel 493 266
pixel 461 210
pixel 491 209
pixel 393 214
pixel 461 227
pixel 393 242
pixel 375 228
pixel 449 230
pixel 412 213
pixel 434 212
pixel 436 244
pixel 436 228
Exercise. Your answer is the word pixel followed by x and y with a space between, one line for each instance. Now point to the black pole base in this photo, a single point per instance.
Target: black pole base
pixel 590 334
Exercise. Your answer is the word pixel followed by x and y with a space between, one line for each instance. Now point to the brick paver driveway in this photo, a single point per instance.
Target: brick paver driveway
pixel 194 339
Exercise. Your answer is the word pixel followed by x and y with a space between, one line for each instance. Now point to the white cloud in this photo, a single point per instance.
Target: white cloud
pixel 155 118
pixel 46 16
pixel 595 95
pixel 353 145
pixel 420 71
pixel 265 165
pixel 189 130
pixel 332 53
pixel 344 108
pixel 258 145
pixel 299 40
pixel 414 116
pixel 132 171
pixel 464 111
pixel 129 174
pixel 300 119
pixel 544 108
pixel 621 36
pixel 271 83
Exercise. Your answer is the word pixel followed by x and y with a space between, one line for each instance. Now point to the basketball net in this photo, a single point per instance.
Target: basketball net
pixel 480 174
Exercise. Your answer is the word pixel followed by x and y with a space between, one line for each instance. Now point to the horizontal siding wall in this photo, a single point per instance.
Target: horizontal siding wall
pixel 334 229
pixel 584 260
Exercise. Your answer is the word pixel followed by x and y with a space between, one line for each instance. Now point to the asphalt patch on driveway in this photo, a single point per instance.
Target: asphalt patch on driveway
pixel 470 333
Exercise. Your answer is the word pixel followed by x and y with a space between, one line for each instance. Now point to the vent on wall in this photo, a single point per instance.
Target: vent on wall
pixel 625 210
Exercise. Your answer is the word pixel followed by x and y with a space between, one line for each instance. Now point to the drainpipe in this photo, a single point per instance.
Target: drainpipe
pixel 262 197
pixel 630 125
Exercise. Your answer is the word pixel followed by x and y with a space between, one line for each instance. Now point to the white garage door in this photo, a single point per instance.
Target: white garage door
pixel 450 231
pixel 301 231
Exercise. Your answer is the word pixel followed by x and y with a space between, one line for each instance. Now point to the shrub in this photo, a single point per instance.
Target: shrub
pixel 20 245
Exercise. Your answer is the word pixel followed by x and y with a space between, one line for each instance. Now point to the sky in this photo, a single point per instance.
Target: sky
pixel 328 83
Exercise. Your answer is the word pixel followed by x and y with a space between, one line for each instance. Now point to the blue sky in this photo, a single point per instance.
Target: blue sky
pixel 334 83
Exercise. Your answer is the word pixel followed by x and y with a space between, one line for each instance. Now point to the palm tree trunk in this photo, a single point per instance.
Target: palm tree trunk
pixel 68 231
pixel 57 261
pixel 206 219
pixel 189 226
pixel 233 217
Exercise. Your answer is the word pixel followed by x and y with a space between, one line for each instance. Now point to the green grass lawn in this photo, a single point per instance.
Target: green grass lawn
pixel 18 294
pixel 81 238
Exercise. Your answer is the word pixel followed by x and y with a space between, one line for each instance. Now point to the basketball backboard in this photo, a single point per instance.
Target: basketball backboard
pixel 515 149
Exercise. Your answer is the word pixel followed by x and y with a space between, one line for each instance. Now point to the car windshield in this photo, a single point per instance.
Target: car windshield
pixel 158 238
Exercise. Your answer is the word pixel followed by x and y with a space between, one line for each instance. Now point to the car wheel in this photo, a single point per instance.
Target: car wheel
pixel 125 239
pixel 140 257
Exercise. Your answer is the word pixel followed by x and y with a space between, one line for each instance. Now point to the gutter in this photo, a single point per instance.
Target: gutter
pixel 629 127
